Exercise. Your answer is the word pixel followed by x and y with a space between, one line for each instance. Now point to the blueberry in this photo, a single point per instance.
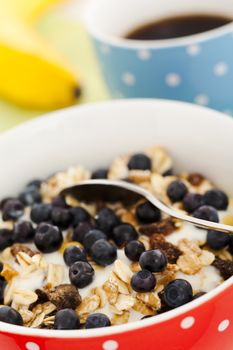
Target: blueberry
pixel 48 238
pixel 143 281
pixel 61 217
pixel 91 237
pixel 176 191
pixel 81 230
pixel 10 315
pixel 139 161
pixel 147 213
pixel 153 260
pixel 59 202
pixel 123 234
pixel 100 174
pixel 103 252
pixel 106 220
pixel 23 232
pixel 30 196
pixel 6 238
pixel 81 274
pixel 13 209
pixel 4 200
pixel 73 254
pixel 41 213
pixel 192 201
pixel 231 244
pixel 66 319
pixel 206 212
pixel 217 199
pixel 35 183
pixel 97 320
pixel 177 293
pixel 134 249
pixel 2 288
pixel 217 239
pixel 198 295
pixel 79 215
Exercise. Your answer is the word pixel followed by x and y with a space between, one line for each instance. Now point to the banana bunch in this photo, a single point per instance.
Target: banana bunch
pixel 32 74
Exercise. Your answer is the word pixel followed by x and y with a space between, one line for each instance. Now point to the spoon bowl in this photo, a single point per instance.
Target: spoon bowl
pixel 128 193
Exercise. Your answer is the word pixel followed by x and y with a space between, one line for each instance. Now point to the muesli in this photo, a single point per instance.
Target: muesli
pixel 65 264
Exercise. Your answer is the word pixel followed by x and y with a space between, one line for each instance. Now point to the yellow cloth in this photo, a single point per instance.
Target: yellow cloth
pixel 71 39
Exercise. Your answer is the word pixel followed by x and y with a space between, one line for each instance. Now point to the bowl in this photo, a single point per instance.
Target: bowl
pixel 197 68
pixel 92 135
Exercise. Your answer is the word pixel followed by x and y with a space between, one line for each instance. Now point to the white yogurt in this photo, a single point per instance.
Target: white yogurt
pixel 205 280
pixel 32 282
pixel 190 232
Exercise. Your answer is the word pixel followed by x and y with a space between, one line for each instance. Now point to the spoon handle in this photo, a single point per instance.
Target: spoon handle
pixel 208 225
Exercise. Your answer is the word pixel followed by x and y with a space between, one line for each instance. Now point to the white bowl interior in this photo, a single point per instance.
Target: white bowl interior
pixel 116 18
pixel 198 139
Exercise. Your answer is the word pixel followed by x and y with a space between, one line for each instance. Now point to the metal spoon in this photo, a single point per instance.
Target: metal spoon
pixel 114 191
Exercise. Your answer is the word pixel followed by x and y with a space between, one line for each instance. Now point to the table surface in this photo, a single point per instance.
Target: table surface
pixel 56 26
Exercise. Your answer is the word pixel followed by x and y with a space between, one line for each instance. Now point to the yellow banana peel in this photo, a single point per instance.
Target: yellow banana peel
pixel 32 73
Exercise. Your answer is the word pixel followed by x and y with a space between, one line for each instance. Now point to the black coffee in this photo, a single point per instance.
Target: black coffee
pixel 179 26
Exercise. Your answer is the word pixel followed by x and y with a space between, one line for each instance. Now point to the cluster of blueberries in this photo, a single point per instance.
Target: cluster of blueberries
pixel 100 237
pixel 203 207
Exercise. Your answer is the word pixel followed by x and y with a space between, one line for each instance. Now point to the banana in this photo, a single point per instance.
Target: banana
pixel 29 10
pixel 32 73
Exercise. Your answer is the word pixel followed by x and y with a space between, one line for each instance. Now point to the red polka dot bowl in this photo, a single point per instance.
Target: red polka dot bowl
pixel 199 139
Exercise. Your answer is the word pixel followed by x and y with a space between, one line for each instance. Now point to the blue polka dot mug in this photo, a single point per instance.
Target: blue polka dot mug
pixel 197 68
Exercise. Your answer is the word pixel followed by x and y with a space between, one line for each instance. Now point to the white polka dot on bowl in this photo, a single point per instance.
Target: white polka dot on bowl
pixel 193 50
pixel 220 69
pixel 128 79
pixel 110 345
pixel 187 322
pixel 32 346
pixel 202 100
pixel 173 79
pixel 144 55
pixel 223 325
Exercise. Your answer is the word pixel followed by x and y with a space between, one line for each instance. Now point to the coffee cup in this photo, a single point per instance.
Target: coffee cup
pixel 196 68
